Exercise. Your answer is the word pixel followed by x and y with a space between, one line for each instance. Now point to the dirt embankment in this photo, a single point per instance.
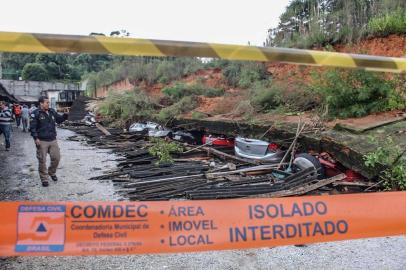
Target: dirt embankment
pixel 291 76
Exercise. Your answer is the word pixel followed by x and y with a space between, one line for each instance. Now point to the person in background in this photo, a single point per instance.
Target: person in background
pixel 25 117
pixel 17 110
pixel 5 123
pixel 43 130
pixel 32 108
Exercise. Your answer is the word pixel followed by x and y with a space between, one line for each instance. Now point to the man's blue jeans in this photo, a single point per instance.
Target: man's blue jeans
pixel 6 130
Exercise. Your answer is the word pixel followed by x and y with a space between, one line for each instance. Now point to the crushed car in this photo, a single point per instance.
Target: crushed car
pixel 89 119
pixel 258 150
pixel 184 136
pixel 151 129
pixel 218 140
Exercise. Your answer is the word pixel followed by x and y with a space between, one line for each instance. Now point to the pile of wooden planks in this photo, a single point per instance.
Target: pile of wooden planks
pixel 202 173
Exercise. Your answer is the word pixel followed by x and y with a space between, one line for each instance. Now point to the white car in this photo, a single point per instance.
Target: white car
pixel 150 128
pixel 258 150
pixel 137 127
pixel 89 119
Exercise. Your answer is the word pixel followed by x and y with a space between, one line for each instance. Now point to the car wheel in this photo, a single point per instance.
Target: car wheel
pixel 304 161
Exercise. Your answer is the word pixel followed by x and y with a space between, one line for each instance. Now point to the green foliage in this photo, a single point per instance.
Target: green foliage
pixel 264 97
pixel 357 93
pixel 34 72
pixel 309 23
pixel 180 90
pixel 299 98
pixel 198 115
pixel 390 155
pixel 232 74
pixel 186 104
pixel 149 70
pixel 392 23
pixel 244 74
pixel 127 106
pixel 163 150
pixel 252 73
pixel 383 153
pixel 59 67
pixel 244 108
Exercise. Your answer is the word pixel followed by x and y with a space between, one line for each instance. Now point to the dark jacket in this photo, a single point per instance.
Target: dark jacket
pixel 43 125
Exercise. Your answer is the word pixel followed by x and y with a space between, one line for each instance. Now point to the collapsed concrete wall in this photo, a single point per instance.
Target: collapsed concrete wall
pixel 348 152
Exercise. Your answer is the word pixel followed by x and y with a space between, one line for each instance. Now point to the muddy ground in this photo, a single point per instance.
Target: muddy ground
pixel 19 181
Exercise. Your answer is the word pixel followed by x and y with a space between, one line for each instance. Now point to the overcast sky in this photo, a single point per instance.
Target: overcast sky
pixel 220 21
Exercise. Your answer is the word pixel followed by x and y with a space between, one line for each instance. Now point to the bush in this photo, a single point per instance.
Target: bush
pixel 168 70
pixel 392 23
pixel 163 150
pixel 180 90
pixel 198 115
pixel 298 98
pixel 232 74
pixel 357 93
pixel 252 72
pixel 390 155
pixel 136 72
pixel 244 74
pixel 244 108
pixel 148 69
pixel 186 104
pixel 127 106
pixel 265 98
pixel 34 72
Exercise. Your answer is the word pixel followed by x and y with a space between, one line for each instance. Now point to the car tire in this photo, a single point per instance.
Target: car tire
pixel 300 163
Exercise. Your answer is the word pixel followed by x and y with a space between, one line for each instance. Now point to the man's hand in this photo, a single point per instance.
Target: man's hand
pixel 37 142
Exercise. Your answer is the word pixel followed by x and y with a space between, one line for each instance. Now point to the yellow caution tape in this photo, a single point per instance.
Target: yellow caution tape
pixel 50 43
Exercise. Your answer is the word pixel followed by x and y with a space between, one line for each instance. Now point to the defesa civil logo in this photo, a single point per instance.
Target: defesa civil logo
pixel 41 228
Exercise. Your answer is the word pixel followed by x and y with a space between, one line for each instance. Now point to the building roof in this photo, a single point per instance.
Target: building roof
pixel 5 95
pixel 27 98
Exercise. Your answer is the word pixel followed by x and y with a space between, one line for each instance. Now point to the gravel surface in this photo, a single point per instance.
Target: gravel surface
pixel 19 181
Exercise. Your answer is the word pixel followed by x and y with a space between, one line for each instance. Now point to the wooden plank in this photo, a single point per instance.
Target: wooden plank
pixel 302 190
pixel 261 168
pixel 103 129
pixel 356 184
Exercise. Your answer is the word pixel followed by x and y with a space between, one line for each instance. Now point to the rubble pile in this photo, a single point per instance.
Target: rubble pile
pixel 202 172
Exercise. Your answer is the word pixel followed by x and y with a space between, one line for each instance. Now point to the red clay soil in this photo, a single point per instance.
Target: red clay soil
pixel 291 77
pixel 208 77
pixel 393 46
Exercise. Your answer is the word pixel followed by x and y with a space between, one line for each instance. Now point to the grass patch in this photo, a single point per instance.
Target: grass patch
pixel 180 90
pixel 392 23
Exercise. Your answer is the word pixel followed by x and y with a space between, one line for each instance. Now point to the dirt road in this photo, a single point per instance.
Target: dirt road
pixel 19 181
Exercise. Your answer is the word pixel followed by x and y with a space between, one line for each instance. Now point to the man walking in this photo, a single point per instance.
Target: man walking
pixel 17 114
pixel 43 130
pixel 25 117
pixel 5 123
